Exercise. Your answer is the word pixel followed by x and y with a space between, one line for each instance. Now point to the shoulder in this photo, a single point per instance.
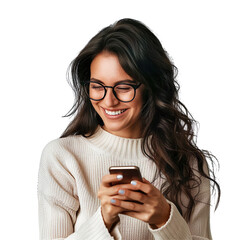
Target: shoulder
pixel 60 144
pixel 62 149
pixel 60 158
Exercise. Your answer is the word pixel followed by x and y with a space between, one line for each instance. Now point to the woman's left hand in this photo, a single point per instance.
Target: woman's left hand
pixel 152 207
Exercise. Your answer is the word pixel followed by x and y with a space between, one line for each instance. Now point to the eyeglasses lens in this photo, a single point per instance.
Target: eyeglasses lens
pixel 123 92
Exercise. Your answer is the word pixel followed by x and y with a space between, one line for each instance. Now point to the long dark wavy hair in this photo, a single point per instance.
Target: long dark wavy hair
pixel 168 137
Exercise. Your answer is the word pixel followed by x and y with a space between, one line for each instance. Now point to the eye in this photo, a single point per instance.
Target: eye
pixel 96 86
pixel 123 88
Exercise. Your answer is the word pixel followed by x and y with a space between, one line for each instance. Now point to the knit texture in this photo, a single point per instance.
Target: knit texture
pixel 70 174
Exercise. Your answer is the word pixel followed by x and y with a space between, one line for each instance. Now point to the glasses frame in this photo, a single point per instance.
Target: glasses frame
pixel 134 86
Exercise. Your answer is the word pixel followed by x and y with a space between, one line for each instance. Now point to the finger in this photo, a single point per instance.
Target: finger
pixel 113 190
pixel 110 178
pixel 110 211
pixel 128 205
pixel 133 195
pixel 107 203
pixel 121 197
pixel 145 187
pixel 146 181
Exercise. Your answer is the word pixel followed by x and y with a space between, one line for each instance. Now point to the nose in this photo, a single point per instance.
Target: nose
pixel 110 99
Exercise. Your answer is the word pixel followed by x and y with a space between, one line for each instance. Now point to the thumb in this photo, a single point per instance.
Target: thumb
pixel 146 181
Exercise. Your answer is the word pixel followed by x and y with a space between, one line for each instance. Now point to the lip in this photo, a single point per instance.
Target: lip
pixel 113 116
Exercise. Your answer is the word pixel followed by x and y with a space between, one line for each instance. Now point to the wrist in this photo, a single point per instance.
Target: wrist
pixel 113 224
pixel 110 223
pixel 164 220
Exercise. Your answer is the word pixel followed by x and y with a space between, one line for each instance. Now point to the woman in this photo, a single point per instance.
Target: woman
pixel 127 112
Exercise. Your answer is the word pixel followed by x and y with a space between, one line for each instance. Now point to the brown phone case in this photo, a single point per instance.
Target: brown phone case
pixel 129 173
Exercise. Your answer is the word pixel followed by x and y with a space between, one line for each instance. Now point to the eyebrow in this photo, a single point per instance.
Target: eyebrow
pixel 120 81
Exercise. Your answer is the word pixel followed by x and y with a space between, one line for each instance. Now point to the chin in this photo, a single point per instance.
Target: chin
pixel 121 131
pixel 112 128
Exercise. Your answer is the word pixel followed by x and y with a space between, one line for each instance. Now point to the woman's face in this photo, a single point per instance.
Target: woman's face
pixel 119 118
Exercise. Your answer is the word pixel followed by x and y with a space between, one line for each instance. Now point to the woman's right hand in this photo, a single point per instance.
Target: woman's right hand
pixel 106 194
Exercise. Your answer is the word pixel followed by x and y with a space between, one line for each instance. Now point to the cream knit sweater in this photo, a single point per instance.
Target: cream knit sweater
pixel 70 174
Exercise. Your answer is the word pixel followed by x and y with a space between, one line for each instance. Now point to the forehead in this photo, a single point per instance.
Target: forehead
pixel 106 68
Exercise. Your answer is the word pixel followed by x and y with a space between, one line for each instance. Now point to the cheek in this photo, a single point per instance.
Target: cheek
pixel 95 106
pixel 137 105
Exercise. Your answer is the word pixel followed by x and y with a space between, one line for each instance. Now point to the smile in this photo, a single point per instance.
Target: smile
pixel 114 113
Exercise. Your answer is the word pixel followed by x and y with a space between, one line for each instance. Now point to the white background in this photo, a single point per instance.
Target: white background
pixel 38 41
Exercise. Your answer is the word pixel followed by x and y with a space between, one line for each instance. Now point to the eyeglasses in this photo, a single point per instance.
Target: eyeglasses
pixel 124 92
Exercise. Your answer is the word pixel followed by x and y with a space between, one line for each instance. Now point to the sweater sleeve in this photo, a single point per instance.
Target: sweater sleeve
pixel 58 201
pixel 198 228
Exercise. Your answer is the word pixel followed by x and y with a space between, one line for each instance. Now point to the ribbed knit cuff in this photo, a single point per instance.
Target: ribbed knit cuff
pixel 93 229
pixel 175 228
pixel 116 233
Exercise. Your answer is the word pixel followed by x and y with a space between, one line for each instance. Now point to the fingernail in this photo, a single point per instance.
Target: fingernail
pixel 113 201
pixel 121 191
pixel 134 183
pixel 119 177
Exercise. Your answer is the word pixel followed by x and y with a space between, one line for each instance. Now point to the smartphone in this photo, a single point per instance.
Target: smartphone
pixel 129 173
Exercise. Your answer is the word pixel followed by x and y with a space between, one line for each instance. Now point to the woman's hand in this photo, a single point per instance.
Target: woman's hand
pixel 108 195
pixel 153 207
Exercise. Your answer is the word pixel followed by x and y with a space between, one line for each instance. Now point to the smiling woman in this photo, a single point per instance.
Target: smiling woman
pixel 119 113
pixel 126 112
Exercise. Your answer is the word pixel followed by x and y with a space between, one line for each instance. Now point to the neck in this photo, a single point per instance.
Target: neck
pixel 133 132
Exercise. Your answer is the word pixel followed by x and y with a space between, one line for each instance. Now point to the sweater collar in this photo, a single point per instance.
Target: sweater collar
pixel 127 148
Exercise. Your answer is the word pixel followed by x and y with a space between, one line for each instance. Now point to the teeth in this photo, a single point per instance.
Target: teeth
pixel 113 113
